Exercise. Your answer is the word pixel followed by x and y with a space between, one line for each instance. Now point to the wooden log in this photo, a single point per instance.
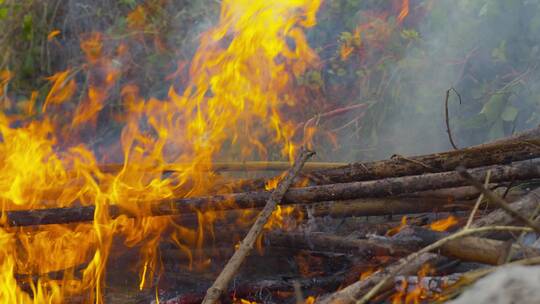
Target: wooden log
pixel 234 166
pixel 331 243
pixel 522 146
pixel 409 239
pixel 470 249
pixel 385 206
pixel 387 187
pixel 529 204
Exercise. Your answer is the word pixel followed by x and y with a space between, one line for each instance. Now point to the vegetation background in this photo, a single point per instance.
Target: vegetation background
pixel 399 63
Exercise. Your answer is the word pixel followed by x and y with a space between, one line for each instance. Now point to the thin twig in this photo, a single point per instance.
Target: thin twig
pixel 497 199
pixel 232 266
pixel 446 115
pixel 478 202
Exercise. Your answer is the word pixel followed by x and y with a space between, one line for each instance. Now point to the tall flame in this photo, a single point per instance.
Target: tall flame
pixel 241 78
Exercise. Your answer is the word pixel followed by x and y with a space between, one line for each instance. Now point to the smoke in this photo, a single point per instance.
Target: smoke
pixel 486 50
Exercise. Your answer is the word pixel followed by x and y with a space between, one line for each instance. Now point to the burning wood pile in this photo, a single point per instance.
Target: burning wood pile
pixel 407 229
pixel 155 212
pixel 458 225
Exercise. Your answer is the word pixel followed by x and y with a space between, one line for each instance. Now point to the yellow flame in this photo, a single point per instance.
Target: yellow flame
pixel 444 224
pixel 241 78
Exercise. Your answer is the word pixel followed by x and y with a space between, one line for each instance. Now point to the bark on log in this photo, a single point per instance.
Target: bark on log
pixel 387 187
pixel 471 248
pixel 522 146
pixel 409 239
pixel 331 243
pixel 386 206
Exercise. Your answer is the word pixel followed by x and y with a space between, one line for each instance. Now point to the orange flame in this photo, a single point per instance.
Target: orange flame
pixel 397 229
pixel 234 95
pixel 418 294
pixel 53 34
pixel 444 224
pixel 404 11
pixel 62 90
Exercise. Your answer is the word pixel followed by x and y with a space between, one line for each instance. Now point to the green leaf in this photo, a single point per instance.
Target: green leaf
pixel 28 27
pixel 493 108
pixel 3 12
pixel 509 113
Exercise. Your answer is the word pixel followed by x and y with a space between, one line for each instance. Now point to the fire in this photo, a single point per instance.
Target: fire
pixel 365 274
pixel 404 11
pixel 62 90
pixel 53 34
pixel 418 294
pixel 397 229
pixel 240 79
pixel 444 224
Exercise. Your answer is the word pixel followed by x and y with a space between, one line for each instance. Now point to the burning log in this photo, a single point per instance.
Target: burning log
pixel 351 293
pixel 257 290
pixel 387 187
pixel 382 279
pixel 214 292
pixel 431 284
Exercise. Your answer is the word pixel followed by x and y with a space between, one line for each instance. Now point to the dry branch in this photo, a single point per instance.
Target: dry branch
pixel 386 206
pixel 522 146
pixel 526 205
pixel 497 200
pixel 231 268
pixel 387 187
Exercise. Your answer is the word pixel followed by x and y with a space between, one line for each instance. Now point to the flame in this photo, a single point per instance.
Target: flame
pixel 240 80
pixel 310 300
pixel 404 12
pixel 365 274
pixel 62 90
pixel 444 224
pixel 397 229
pixel 345 51
pixel 53 34
pixel 418 294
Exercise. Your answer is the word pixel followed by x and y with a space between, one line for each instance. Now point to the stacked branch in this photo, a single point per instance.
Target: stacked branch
pixel 518 171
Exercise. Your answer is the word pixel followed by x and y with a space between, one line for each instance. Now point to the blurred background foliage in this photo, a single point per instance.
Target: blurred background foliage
pixel 398 63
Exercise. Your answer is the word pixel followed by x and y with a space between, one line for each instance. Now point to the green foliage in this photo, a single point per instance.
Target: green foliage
pixel 488 50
